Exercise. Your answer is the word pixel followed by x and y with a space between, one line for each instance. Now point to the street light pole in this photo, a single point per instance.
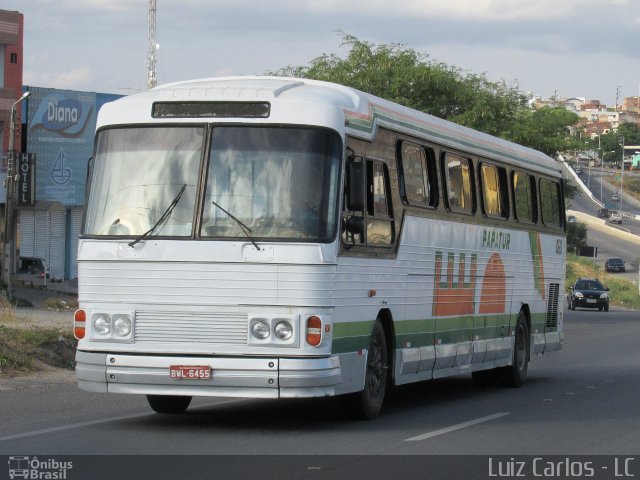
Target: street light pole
pixel 601 170
pixel 622 174
pixel 9 206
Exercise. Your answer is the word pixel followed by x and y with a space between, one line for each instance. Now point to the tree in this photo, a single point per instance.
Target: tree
pixel 576 236
pixel 545 129
pixel 610 143
pixel 402 75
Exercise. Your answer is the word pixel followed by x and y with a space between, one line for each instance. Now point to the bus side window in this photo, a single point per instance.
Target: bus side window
pixel 417 175
pixel 379 212
pixel 524 197
pixel 459 183
pixel 494 191
pixel 550 202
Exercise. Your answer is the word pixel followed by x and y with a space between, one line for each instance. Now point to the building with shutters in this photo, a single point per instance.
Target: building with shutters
pixel 59 129
pixel 55 130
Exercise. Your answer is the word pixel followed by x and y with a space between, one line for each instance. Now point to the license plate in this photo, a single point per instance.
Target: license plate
pixel 190 372
pixel 591 300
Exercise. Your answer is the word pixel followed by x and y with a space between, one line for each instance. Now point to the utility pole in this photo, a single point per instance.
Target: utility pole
pixel 153 45
pixel 9 206
pixel 621 174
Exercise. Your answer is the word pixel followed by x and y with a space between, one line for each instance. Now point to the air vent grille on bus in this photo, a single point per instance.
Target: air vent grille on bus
pixel 191 327
pixel 552 305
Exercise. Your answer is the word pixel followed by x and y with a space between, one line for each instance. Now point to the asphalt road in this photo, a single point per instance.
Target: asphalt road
pixel 582 400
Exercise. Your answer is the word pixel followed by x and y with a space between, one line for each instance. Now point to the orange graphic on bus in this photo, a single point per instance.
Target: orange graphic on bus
pixel 454 298
pixel 458 298
pixel 494 287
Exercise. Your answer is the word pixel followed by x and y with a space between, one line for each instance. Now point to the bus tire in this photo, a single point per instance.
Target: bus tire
pixel 367 404
pixel 168 403
pixel 515 374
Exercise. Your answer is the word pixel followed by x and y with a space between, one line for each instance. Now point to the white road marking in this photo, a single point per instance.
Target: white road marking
pixel 453 428
pixel 71 426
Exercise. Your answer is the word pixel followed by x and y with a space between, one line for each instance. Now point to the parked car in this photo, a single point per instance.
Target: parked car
pixel 572 219
pixel 614 264
pixel 32 271
pixel 589 293
pixel 615 217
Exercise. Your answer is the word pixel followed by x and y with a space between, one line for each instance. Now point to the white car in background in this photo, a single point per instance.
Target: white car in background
pixel 615 217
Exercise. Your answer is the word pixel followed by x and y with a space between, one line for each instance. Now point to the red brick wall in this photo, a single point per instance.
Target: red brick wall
pixel 12 74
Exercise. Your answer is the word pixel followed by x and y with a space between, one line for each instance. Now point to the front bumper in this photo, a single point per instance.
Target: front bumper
pixel 591 303
pixel 255 377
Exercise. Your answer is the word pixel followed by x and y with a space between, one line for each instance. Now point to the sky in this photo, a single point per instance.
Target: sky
pixel 563 48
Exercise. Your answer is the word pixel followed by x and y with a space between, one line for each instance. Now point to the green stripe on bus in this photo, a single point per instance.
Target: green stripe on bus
pixel 353 336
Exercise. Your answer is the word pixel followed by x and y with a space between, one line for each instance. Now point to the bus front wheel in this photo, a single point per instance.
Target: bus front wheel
pixel 168 403
pixel 367 404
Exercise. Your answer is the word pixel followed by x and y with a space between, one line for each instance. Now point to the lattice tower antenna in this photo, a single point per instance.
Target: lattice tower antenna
pixel 153 46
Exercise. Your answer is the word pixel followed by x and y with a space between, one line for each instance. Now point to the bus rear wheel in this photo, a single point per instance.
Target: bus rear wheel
pixel 367 404
pixel 516 373
pixel 168 403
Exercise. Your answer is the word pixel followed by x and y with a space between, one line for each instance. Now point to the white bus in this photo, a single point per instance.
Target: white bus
pixel 275 237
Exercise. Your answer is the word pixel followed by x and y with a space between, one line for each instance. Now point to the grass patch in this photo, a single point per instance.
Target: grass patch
pixel 25 350
pixel 630 185
pixel 623 293
pixel 61 304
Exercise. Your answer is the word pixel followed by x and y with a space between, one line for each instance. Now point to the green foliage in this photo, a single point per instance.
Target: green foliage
pixel 545 129
pixel 410 78
pixel 576 236
pixel 402 75
pixel 610 143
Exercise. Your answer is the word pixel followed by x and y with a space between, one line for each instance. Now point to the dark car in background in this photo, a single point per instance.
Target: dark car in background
pixel 32 271
pixel 614 264
pixel 589 293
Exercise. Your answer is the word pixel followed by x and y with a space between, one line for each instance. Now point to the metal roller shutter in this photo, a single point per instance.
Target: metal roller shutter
pixel 41 232
pixel 57 243
pixel 27 233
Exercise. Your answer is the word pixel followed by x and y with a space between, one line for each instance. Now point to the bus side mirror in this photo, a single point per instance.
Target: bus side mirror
pixel 355 186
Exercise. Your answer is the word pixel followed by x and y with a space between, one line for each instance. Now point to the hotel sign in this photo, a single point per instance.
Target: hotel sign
pixel 26 184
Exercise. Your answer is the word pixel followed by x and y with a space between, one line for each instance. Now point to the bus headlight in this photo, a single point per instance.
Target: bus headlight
pixel 102 325
pixel 122 326
pixel 112 327
pixel 261 330
pixel 275 330
pixel 283 330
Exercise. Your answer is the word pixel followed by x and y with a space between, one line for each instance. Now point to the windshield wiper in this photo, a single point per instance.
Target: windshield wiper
pixel 163 218
pixel 243 227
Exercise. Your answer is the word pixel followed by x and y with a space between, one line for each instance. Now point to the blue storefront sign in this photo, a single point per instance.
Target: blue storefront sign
pixel 60 132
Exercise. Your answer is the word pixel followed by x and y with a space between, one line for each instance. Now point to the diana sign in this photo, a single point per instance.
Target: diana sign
pixel 27 182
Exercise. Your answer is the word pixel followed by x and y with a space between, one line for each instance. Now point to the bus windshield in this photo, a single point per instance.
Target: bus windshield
pixel 137 173
pixel 261 182
pixel 280 182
